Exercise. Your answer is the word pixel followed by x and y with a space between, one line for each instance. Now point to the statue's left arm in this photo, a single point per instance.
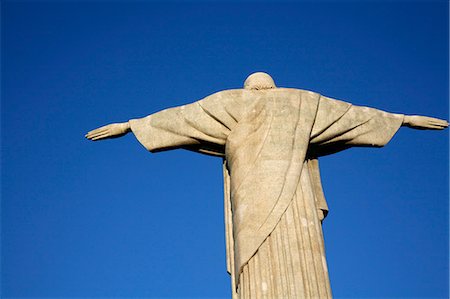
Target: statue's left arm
pixel 339 125
pixel 201 126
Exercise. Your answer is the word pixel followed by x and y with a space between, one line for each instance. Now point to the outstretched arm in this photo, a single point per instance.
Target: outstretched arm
pixel 202 126
pixel 424 122
pixel 109 131
pixel 340 125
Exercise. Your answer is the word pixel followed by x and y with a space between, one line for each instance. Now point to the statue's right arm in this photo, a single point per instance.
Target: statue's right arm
pixel 109 131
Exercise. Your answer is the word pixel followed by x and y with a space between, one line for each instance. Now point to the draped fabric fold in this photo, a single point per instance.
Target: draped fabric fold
pixel 265 155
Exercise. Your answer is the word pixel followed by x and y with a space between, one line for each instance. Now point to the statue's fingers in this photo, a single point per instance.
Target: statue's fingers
pixel 443 125
pixel 90 137
pixel 438 122
pixel 94 131
pixel 97 132
pixel 441 122
pixel 437 126
pixel 101 136
pixel 91 134
pixel 104 133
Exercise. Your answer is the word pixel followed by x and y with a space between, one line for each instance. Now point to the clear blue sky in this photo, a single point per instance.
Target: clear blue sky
pixel 108 219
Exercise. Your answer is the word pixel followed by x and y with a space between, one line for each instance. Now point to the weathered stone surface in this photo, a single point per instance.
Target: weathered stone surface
pixel 270 139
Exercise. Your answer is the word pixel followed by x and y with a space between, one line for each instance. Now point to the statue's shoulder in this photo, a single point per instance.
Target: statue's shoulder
pixel 297 92
pixel 227 93
pixel 241 93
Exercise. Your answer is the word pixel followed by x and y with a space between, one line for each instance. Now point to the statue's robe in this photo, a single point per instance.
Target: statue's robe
pixel 270 140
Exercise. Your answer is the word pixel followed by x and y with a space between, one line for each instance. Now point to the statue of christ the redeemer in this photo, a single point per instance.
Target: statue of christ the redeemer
pixel 270 139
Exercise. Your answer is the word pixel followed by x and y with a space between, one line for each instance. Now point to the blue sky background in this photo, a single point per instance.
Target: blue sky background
pixel 108 219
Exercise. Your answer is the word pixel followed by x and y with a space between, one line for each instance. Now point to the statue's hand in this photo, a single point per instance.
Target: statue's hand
pixel 109 131
pixel 424 122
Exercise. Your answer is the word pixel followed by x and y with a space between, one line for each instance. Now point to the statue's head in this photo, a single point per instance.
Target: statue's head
pixel 258 81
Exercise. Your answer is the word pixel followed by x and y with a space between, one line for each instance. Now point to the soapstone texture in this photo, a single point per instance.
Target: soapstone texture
pixel 270 140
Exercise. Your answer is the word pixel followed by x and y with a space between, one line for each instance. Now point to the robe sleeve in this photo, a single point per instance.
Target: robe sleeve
pixel 202 126
pixel 340 125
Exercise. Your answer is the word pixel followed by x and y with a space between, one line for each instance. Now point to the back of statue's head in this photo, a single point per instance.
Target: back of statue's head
pixel 258 81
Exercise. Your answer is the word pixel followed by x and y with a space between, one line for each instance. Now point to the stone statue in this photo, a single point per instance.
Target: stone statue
pixel 270 139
